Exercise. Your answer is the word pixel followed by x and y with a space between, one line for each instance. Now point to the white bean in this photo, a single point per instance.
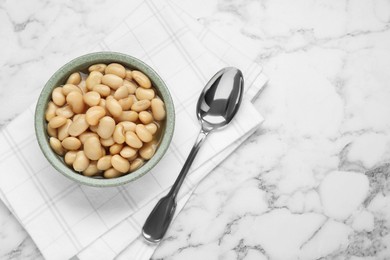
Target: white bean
pixel 128 75
pixel 127 116
pixel 84 136
pixel 119 134
pixel 116 148
pixel 106 127
pixel 107 142
pixel 128 152
pixel 158 109
pixel 52 132
pixel 93 148
pixel 140 105
pixel 94 114
pixel 58 97
pixel 104 163
pixel 112 173
pixel 143 93
pixel 65 111
pixel 67 88
pixel 131 86
pixel 94 78
pixel 98 67
pixel 83 86
pixel 78 126
pixel 133 140
pixel 120 164
pixel 113 81
pixel 57 121
pixel 121 92
pixel 91 170
pixel 143 134
pixel 113 106
pixel 145 117
pixel 141 79
pixel 50 110
pixel 92 98
pixel 63 131
pixel 126 103
pixel 70 157
pixel 147 151
pixel 55 144
pixel 75 100
pixel 81 162
pixel 103 90
pixel 74 78
pixel 116 69
pixel 152 128
pixel 136 164
pixel 71 143
pixel 128 126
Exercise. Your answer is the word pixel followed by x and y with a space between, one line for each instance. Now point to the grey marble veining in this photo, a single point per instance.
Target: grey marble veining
pixel 311 183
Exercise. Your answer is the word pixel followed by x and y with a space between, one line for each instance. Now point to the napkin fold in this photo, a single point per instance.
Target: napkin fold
pixel 64 218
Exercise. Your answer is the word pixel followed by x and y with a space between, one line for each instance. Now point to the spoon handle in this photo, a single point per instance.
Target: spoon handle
pixel 161 216
pixel 187 165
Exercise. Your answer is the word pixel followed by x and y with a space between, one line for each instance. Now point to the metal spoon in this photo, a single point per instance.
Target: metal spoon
pixel 217 105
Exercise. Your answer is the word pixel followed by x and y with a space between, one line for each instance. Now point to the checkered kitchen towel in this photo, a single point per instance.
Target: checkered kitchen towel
pixel 64 218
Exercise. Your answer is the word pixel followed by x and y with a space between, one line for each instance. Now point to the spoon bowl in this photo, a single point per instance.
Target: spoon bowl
pixel 220 99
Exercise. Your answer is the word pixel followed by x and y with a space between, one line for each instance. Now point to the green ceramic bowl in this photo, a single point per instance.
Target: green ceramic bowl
pixel 81 64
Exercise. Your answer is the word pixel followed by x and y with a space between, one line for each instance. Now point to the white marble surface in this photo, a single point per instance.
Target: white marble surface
pixel 311 183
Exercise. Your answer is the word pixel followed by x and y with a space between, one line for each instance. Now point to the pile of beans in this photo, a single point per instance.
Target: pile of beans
pixel 105 123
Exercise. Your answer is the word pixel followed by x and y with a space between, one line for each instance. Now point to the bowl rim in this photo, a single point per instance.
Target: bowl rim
pixel 85 61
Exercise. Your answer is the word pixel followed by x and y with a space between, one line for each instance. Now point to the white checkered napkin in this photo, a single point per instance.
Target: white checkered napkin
pixel 63 217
